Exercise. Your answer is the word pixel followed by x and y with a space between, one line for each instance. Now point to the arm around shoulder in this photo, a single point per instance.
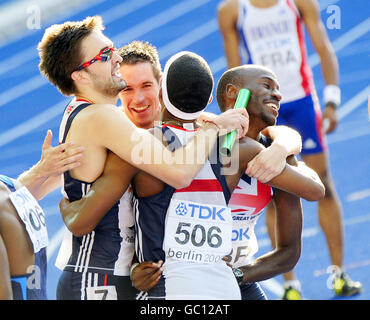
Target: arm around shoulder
pixel 82 216
pixel 301 181
pixel 144 151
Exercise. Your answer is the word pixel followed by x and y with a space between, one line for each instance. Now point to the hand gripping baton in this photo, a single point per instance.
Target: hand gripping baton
pixel 241 102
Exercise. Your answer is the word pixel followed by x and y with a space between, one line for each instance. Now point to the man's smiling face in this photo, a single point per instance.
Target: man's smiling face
pixel 140 97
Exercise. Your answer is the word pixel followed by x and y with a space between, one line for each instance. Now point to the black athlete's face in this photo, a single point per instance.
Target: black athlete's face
pixel 265 97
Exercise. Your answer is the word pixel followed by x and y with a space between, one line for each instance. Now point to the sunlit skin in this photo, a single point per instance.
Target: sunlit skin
pixel 140 97
pixel 268 97
pixel 104 76
pixel 263 107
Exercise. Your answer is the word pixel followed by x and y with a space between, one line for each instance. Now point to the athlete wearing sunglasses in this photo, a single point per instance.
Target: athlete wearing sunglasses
pixel 104 55
pixel 105 77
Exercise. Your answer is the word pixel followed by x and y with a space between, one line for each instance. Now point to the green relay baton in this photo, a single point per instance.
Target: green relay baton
pixel 241 102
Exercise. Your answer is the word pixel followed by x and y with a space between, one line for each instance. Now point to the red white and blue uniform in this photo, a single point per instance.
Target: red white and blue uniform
pixel 274 37
pixel 247 203
pixel 96 265
pixel 190 230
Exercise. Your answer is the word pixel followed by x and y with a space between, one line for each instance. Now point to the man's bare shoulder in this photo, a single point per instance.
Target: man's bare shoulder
pixel 99 115
pixel 306 7
pixel 5 205
pixel 3 189
pixel 105 105
pixel 99 108
pixel 228 6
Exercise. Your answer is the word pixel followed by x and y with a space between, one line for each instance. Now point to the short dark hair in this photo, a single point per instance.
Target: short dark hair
pixel 60 53
pixel 139 51
pixel 239 77
pixel 189 83
pixel 233 76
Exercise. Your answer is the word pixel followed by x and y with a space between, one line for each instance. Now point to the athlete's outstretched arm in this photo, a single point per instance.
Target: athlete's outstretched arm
pixel 227 18
pixel 300 181
pixel 114 131
pixel 45 175
pixel 271 161
pixel 309 10
pixel 287 250
pixel 82 216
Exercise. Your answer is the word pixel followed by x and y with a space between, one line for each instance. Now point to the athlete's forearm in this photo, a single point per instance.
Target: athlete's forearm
pixel 302 183
pixel 144 151
pixel 288 226
pixel 271 161
pixel 227 15
pixel 33 180
pixel 176 168
pixel 286 139
pixel 310 12
pixel 82 216
pixel 231 43
pixel 270 265
pixel 329 66
pixel 198 150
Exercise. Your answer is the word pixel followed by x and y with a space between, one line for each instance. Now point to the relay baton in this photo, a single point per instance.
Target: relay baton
pixel 241 102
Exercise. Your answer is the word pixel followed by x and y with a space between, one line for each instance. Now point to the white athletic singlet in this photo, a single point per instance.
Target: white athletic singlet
pixel 190 230
pixel 274 37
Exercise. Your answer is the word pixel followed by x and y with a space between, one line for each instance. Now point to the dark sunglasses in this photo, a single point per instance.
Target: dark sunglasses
pixel 103 55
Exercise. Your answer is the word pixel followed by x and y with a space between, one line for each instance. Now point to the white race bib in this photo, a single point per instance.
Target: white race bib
pixel 101 293
pixel 197 232
pixel 33 217
pixel 244 242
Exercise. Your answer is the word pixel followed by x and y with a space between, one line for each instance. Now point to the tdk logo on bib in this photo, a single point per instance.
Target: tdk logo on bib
pixel 240 234
pixel 181 209
pixel 200 211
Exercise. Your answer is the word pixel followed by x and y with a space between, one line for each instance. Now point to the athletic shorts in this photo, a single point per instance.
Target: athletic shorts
pixel 95 286
pixel 304 115
pixel 252 291
pixel 22 292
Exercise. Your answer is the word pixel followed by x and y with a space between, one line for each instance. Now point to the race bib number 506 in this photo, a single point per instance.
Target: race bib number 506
pixel 33 217
pixel 197 232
